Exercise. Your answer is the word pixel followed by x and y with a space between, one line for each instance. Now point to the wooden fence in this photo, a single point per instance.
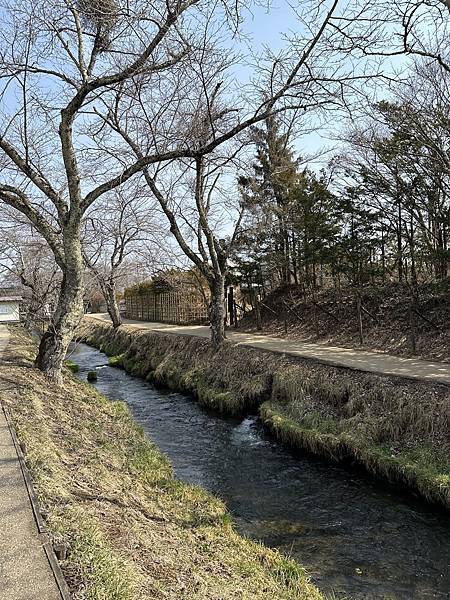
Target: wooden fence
pixel 167 307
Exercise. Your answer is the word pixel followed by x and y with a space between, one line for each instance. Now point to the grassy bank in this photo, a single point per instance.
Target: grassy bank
pixel 396 429
pixel 228 381
pixel 132 531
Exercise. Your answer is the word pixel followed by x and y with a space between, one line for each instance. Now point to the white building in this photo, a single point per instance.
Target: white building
pixel 9 308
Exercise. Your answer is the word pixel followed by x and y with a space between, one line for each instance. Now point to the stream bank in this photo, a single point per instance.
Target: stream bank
pixel 359 539
pixel 109 497
pixel 395 428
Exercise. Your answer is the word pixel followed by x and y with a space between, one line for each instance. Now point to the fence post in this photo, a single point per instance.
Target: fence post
pixel 412 328
pixel 257 312
pixel 285 317
pixel 360 322
pixel 230 299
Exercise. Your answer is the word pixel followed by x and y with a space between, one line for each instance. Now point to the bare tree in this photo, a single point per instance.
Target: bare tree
pixel 79 74
pixel 115 230
pixel 197 222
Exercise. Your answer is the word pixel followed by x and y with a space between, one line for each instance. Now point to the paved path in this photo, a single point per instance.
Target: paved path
pixel 4 338
pixel 362 360
pixel 25 572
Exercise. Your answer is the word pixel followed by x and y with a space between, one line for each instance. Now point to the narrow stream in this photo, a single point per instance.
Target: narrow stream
pixel 357 538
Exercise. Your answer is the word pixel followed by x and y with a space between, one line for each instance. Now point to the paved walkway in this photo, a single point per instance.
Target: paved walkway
pixel 25 572
pixel 362 360
pixel 4 338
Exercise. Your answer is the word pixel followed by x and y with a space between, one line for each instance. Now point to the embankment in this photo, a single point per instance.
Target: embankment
pixel 108 495
pixel 396 429
pixel 331 316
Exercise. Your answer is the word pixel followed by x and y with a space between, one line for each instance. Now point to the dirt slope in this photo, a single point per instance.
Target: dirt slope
pixel 332 318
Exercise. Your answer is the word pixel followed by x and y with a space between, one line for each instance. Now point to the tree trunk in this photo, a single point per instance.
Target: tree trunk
pixel 109 291
pixel 31 315
pixel 217 313
pixel 399 244
pixel 68 313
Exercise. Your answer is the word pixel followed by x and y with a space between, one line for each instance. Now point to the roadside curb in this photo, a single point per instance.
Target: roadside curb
pixel 41 527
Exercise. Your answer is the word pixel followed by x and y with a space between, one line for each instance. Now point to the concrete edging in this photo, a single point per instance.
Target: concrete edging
pixel 41 527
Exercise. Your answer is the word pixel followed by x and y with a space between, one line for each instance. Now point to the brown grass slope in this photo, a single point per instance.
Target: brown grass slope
pixel 397 429
pixel 333 318
pixel 132 530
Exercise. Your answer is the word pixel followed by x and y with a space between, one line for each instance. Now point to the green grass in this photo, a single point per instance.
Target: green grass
pixel 72 366
pixel 115 361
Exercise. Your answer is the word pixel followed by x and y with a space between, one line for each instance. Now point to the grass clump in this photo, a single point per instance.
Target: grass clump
pixel 92 376
pixel 72 366
pixel 115 361
pixel 132 530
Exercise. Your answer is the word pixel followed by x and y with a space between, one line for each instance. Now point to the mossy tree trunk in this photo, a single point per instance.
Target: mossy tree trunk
pixel 69 310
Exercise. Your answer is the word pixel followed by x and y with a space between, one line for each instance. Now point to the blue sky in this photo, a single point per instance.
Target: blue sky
pixel 266 28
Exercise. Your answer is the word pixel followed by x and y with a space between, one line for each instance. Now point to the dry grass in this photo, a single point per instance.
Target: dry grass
pixel 397 429
pixel 388 329
pixel 229 381
pixel 133 531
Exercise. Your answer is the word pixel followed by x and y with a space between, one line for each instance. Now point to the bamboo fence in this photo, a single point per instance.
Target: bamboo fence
pixel 167 307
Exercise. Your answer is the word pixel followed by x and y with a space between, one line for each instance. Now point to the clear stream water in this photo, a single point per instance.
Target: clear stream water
pixel 357 538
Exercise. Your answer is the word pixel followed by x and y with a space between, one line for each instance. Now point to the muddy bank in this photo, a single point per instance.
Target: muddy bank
pixel 331 316
pixel 396 429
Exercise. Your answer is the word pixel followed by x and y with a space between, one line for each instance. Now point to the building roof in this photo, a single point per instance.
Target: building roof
pixel 10 298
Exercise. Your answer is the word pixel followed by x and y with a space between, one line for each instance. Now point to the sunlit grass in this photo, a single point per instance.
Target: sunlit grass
pixel 72 366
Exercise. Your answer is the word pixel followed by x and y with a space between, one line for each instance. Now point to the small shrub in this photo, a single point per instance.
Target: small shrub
pixel 92 376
